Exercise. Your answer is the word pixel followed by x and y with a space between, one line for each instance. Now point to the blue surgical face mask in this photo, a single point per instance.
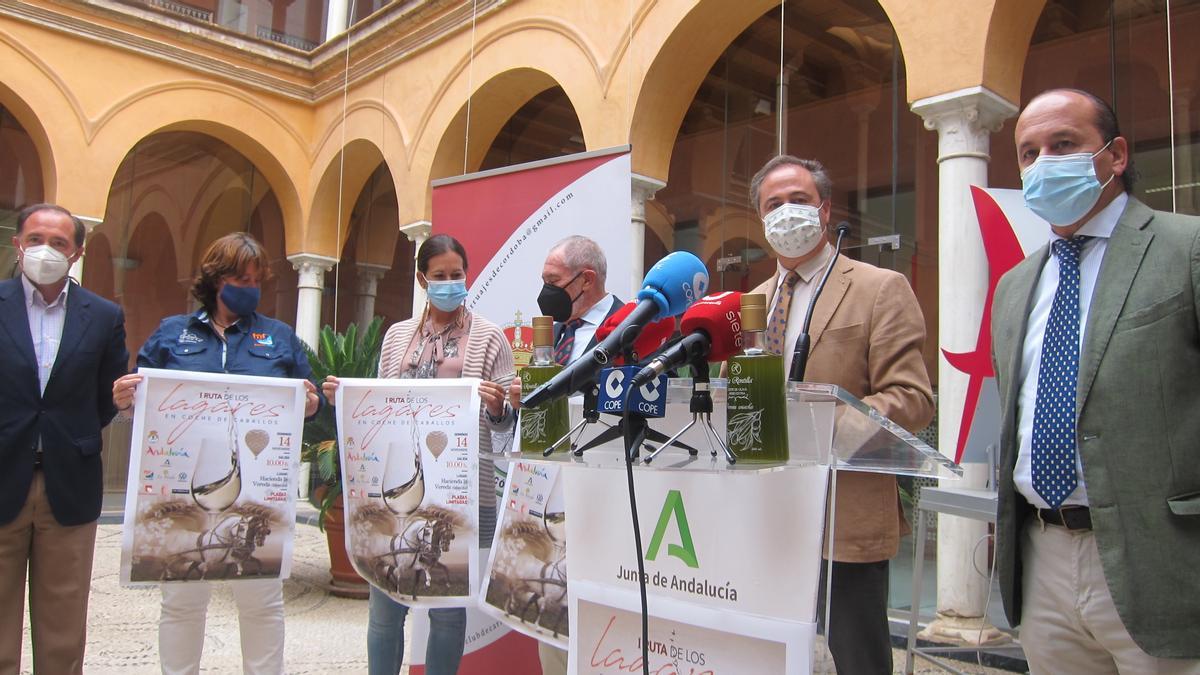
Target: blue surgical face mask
pixel 241 300
pixel 1063 188
pixel 447 295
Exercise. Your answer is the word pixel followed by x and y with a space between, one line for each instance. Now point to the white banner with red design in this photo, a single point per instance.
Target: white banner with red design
pixel 1009 231
pixel 508 220
pixel 212 491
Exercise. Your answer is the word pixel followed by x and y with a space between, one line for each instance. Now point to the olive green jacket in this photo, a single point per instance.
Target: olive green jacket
pixel 1138 429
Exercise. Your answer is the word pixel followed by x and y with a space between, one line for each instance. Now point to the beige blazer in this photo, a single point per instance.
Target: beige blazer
pixel 867 335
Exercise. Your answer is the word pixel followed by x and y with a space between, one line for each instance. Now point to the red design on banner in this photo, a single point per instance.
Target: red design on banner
pixel 1003 252
pixel 503 202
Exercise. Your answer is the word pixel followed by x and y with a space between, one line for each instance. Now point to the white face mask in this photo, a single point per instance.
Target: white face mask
pixel 44 265
pixel 794 230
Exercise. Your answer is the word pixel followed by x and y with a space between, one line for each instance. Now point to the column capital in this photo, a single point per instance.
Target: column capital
pixel 311 268
pixel 644 187
pixel 90 222
pixel 417 231
pixel 373 270
pixel 964 119
pixel 311 262
pixel 369 275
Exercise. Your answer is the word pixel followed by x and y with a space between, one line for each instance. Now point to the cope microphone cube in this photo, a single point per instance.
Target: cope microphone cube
pixel 649 400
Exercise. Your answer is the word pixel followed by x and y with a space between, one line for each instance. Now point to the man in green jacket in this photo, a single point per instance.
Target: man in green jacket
pixel 1096 344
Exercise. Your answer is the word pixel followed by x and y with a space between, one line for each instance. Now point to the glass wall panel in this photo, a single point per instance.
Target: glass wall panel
pixel 1118 51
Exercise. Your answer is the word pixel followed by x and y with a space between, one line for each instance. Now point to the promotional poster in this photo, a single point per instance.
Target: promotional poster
pixel 211 477
pixel 410 463
pixel 684 639
pixel 526 583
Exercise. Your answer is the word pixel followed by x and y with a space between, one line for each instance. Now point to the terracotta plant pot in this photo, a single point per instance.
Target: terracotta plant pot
pixel 345 581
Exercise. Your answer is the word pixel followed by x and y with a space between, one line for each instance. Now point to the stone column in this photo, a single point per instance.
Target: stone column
pixel 311 284
pixel 76 271
pixel 368 287
pixel 417 232
pixel 644 188
pixel 336 17
pixel 964 121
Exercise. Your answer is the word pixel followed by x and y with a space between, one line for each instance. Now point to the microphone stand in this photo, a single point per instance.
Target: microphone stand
pixel 637 425
pixel 591 415
pixel 800 353
pixel 701 407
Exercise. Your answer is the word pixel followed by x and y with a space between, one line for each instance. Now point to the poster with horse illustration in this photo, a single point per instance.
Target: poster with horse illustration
pixel 409 451
pixel 525 584
pixel 211 477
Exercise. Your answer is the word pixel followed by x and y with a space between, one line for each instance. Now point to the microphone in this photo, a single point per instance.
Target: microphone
pixel 712 331
pixel 670 287
pixel 800 353
pixel 653 336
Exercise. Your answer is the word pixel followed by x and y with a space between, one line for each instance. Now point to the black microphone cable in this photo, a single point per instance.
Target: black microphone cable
pixel 630 444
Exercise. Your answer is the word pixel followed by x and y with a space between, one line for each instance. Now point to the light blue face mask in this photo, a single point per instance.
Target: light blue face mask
pixel 1063 188
pixel 447 295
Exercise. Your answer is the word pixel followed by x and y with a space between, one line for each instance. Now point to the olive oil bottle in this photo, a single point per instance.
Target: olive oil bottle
pixel 757 408
pixel 542 425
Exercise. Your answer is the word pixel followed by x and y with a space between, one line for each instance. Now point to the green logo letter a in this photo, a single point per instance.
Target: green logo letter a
pixel 685 550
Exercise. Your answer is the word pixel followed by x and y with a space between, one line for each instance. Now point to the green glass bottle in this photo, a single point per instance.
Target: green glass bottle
pixel 757 407
pixel 542 425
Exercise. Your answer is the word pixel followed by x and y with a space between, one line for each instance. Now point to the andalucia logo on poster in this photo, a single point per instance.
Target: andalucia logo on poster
pixel 685 550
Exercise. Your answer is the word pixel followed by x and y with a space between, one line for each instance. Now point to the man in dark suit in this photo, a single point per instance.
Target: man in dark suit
pixel 61 348
pixel 1096 346
pixel 573 293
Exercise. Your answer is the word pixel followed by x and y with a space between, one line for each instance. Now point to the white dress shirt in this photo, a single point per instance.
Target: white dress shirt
pixel 45 326
pixel 1100 228
pixel 810 274
pixel 591 321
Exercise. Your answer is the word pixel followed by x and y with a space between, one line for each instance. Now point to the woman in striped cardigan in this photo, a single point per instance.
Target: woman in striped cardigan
pixel 445 341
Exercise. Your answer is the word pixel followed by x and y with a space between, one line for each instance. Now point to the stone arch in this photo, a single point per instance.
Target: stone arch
pixel 947 49
pixel 510 68
pixel 675 69
pixel 36 125
pixel 260 136
pixel 347 170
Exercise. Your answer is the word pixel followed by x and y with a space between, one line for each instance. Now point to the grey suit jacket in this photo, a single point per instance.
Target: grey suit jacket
pixel 1138 430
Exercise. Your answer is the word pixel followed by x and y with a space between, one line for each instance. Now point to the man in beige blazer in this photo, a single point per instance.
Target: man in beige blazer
pixel 867 335
pixel 1098 533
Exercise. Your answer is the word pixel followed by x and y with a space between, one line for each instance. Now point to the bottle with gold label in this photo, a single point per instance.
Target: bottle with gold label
pixel 757 407
pixel 542 425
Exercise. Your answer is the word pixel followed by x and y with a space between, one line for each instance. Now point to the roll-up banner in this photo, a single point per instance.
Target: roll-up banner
pixel 508 219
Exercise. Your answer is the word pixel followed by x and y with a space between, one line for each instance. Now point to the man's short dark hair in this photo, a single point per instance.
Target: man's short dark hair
pixel 819 173
pixel 80 229
pixel 1106 124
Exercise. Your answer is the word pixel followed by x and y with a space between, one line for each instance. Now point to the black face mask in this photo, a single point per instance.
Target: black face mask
pixel 555 302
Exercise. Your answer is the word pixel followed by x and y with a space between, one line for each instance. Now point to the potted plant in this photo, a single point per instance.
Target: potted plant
pixel 348 354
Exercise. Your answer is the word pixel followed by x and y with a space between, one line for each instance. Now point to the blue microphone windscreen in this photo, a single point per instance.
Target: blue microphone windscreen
pixel 674 283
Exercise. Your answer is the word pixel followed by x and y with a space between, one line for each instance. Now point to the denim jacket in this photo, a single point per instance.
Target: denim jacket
pixel 254 345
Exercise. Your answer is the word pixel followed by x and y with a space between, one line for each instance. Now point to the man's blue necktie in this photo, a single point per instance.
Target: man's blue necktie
pixel 1054 477
pixel 566 341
